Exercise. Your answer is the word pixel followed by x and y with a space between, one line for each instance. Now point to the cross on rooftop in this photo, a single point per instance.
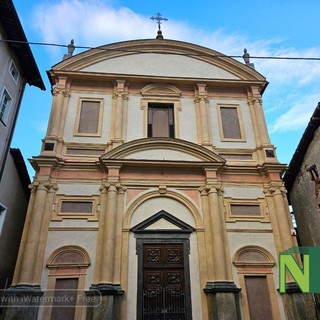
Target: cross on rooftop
pixel 159 19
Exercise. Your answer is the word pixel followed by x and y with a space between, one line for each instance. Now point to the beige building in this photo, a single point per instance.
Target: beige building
pixel 157 191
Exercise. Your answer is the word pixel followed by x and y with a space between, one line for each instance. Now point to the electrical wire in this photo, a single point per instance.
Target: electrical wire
pixel 142 51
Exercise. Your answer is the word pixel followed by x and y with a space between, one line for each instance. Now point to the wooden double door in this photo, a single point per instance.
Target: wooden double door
pixel 164 294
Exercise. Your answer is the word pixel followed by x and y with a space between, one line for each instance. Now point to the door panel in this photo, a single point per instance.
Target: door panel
pixel 163 282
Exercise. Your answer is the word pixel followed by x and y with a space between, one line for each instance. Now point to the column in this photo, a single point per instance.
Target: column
pixel 52 189
pixel 208 233
pixel 217 227
pixel 24 296
pixel 282 214
pixel 108 236
pixel 34 231
pixel 102 222
pixel 118 236
pixel 222 293
pixel 109 242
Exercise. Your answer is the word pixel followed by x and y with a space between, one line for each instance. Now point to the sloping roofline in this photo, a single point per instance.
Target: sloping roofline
pixel 13 31
pixel 159 46
pixel 298 156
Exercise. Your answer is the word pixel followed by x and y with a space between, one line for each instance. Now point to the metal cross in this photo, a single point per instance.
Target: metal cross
pixel 159 19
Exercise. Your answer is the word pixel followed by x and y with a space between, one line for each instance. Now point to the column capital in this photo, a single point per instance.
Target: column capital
pixel 59 90
pixel 209 188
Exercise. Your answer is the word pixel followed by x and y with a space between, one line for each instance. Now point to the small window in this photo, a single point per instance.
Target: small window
pixel 2 214
pixel 76 207
pixel 5 105
pixel 89 118
pixel 230 123
pixel 246 210
pixel 14 72
pixel 160 120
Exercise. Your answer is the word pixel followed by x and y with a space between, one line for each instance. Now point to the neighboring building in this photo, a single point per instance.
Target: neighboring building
pixel 14 193
pixel 17 67
pixel 302 181
pixel 157 187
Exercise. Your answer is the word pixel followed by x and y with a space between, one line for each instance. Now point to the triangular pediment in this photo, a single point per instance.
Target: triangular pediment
pixel 163 149
pixel 162 221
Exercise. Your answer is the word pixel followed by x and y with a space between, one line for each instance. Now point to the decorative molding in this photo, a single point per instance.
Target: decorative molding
pixel 182 227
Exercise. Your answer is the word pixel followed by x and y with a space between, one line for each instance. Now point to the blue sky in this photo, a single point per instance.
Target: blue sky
pixel 264 27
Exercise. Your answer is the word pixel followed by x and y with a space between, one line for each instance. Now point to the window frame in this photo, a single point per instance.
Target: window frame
pixel 58 215
pixel 176 107
pixel 66 271
pixel 251 268
pixel 5 114
pixel 78 118
pixel 13 66
pixel 240 121
pixel 161 106
pixel 263 217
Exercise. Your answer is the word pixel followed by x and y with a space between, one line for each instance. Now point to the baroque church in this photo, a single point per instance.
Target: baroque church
pixel 157 194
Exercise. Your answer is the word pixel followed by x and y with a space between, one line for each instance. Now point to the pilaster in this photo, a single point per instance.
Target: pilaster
pixel 203 121
pixel 120 97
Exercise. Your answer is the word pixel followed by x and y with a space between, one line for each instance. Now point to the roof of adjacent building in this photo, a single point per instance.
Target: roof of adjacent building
pixel 11 24
pixel 21 169
pixel 298 156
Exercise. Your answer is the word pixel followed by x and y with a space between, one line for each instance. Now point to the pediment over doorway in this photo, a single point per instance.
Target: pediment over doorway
pixel 162 222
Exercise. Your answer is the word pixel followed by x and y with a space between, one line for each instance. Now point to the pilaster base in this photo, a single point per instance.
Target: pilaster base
pixel 106 302
pixel 21 302
pixel 223 300
pixel 298 305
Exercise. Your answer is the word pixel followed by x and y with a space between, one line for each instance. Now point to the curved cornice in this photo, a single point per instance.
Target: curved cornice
pixel 189 148
pixel 126 48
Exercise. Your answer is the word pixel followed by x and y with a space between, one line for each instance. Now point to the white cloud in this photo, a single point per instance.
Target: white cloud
pixel 297 116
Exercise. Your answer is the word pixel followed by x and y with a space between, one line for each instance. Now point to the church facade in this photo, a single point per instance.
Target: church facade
pixel 158 194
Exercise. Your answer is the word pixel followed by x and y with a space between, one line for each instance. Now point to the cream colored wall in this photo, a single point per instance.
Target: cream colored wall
pixel 187 120
pixel 243 193
pixel 78 189
pixel 160 65
pixel 135 118
pixel 144 211
pixel 85 239
pixel 162 154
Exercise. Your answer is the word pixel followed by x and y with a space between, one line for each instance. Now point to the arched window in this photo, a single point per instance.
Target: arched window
pixel 254 266
pixel 67 271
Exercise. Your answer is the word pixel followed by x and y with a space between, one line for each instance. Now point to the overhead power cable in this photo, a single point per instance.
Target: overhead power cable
pixel 156 52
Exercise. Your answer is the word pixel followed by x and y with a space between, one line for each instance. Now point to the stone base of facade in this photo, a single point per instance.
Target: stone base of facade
pixel 223 300
pixel 298 305
pixel 21 302
pixel 104 302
